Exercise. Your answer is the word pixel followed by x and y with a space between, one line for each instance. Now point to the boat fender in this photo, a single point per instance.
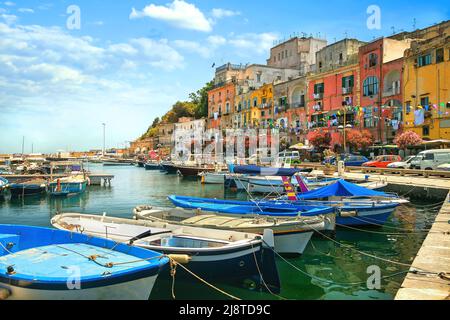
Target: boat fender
pixel 180 258
pixel 4 294
pixel 10 270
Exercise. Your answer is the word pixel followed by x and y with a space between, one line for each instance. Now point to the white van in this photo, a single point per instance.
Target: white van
pixel 433 158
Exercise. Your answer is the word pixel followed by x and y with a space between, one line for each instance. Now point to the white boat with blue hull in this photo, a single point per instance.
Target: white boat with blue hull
pixel 68 186
pixel 215 255
pixel 291 234
pixel 48 264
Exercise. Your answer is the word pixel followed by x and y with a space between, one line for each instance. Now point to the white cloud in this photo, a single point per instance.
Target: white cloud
pixel 259 43
pixel 216 40
pixel 193 46
pixel 222 13
pixel 26 10
pixel 8 18
pixel 9 3
pixel 179 13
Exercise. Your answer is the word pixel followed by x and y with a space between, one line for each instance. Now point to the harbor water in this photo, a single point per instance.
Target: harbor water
pixel 329 269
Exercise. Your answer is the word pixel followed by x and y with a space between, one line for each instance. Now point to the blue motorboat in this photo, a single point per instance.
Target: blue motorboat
pixel 3 184
pixel 31 187
pixel 68 186
pixel 265 171
pixel 47 264
pixel 263 208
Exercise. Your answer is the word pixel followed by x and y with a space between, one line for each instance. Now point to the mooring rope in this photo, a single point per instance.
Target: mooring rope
pixel 262 278
pixel 174 264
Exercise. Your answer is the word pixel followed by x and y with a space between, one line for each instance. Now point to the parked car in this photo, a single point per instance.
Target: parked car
pixel 382 161
pixel 444 167
pixel 405 164
pixel 431 159
pixel 350 160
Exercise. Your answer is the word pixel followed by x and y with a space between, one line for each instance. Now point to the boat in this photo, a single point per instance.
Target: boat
pixel 355 204
pixel 140 163
pixel 274 184
pixel 213 177
pixel 243 208
pixel 47 264
pixel 291 234
pixel 193 171
pixel 118 162
pixel 71 185
pixel 213 254
pixel 149 165
pixel 3 185
pixel 267 171
pixel 29 187
pixel 169 167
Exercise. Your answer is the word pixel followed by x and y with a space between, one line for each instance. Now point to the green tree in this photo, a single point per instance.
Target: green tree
pixel 200 99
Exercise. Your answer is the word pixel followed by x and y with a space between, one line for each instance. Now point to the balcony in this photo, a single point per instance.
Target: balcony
pixel 317 108
pixel 318 96
pixel 298 105
pixel 391 92
pixel 348 90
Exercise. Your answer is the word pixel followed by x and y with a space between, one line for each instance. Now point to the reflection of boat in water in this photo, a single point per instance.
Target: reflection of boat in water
pixel 42 263
pixel 214 254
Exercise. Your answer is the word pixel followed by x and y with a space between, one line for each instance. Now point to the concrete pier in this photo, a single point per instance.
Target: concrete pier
pixel 433 257
pixel 95 178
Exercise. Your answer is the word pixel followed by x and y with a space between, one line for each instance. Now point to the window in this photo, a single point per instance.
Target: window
pixel 370 86
pixel 255 102
pixel 263 113
pixel 320 64
pixel 368 119
pixel 425 133
pixel 348 82
pixel 341 58
pixel 439 55
pixel 258 77
pixel 408 107
pixel 424 60
pixel 319 88
pixel 373 59
pixel 424 101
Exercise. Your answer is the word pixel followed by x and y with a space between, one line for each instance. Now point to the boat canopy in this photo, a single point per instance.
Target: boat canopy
pixel 341 188
pixel 264 171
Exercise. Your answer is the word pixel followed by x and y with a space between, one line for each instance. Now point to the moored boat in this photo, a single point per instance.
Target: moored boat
pixel 169 167
pixel 149 165
pixel 30 187
pixel 193 171
pixel 75 184
pixel 213 177
pixel 214 254
pixel 274 184
pixel 291 234
pixel 47 264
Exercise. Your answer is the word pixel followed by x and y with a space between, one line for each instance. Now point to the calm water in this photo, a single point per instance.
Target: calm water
pixel 330 267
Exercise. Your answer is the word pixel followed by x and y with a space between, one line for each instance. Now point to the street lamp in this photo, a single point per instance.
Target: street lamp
pixel 104 138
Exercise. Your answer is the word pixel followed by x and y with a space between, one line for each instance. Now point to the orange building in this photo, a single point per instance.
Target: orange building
pixel 221 106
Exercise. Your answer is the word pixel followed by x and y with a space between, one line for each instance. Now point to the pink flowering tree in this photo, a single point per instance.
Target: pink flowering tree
pixel 407 139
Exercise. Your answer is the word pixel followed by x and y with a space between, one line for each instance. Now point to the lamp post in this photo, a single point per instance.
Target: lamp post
pixel 104 139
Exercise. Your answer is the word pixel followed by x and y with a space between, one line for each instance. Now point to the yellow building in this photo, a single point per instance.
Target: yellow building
pixel 426 79
pixel 261 108
pixel 242 114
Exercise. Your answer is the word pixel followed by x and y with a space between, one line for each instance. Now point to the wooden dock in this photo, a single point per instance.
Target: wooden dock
pixel 433 257
pixel 95 178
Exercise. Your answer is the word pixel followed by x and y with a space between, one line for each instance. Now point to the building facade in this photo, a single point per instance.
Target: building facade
pixel 296 53
pixel 426 80
pixel 374 59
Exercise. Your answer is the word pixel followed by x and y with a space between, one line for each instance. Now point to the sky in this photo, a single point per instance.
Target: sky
pixel 123 63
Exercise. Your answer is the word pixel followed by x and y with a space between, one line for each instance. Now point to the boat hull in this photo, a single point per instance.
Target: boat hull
pixel 18 191
pixel 169 168
pixel 153 167
pixel 213 178
pixel 292 243
pixel 139 289
pixel 192 171
pixel 67 188
pixel 364 217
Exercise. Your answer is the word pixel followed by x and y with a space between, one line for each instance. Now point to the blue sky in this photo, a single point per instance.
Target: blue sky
pixel 132 59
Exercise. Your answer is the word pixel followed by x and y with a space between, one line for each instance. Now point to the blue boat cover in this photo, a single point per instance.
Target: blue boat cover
pixel 264 171
pixel 341 188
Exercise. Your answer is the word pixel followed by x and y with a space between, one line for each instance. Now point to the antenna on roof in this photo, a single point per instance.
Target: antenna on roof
pixel 414 24
pixel 393 30
pixel 346 34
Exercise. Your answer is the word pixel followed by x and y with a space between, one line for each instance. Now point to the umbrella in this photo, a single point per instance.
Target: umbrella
pixel 298 146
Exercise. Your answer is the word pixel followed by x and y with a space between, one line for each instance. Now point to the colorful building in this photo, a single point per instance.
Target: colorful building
pixel 221 106
pixel 380 82
pixel 426 80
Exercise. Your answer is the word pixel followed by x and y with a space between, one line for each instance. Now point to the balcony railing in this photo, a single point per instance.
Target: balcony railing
pixel 298 105
pixel 347 90
pixel 318 96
